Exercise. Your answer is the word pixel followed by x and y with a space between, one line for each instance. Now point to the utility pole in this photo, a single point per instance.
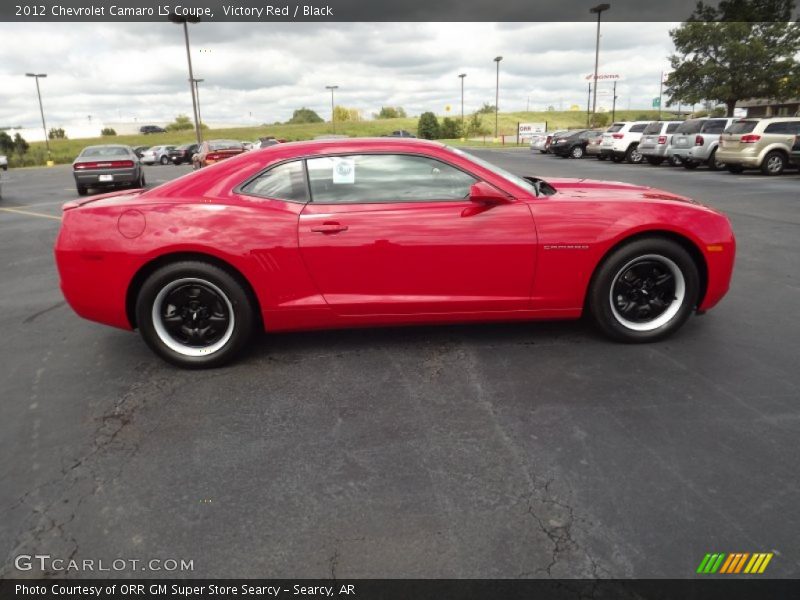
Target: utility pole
pixel 614 103
pixel 333 110
pixel 184 20
pixel 463 131
pixel 660 91
pixel 599 11
pixel 588 99
pixel 41 110
pixel 497 60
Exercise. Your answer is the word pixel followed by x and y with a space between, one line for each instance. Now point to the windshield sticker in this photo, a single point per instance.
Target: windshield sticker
pixel 344 170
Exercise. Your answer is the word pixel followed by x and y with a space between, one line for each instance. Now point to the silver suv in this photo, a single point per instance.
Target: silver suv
pixel 655 144
pixel 696 142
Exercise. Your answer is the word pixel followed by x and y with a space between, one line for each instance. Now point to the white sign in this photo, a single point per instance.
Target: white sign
pixel 526 130
pixel 344 170
pixel 604 77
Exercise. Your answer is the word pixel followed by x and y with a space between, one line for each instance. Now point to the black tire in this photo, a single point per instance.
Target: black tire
pixel 164 160
pixel 601 157
pixel 734 168
pixel 543 151
pixel 611 298
pixel 576 152
pixel 82 190
pixel 214 300
pixel 654 160
pixel 5 167
pixel 632 155
pixel 774 163
pixel 675 161
pixel 691 165
pixel 713 163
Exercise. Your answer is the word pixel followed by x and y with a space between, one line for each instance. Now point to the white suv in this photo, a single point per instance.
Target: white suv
pixel 621 141
pixel 3 162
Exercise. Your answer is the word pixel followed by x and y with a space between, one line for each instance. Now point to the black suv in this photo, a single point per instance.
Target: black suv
pixel 145 129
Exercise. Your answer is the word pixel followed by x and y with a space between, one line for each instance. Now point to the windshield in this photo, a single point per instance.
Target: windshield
pixel 691 126
pixel 516 180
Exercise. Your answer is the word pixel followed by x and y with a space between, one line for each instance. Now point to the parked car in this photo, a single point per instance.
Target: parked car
pixel 697 140
pixel 384 232
pixel 267 142
pixel 550 137
pixel 146 129
pixel 537 141
pixel 593 147
pixel 656 142
pixel 621 141
pixel 107 166
pixel 182 154
pixel 157 154
pixel 3 162
pixel 573 144
pixel 764 144
pixel 139 150
pixel 214 151
pixel 794 157
pixel 401 133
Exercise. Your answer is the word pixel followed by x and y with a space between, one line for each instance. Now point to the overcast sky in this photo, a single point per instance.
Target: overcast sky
pixel 256 72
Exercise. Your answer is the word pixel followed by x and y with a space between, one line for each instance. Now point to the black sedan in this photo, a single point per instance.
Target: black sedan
pixel 572 144
pixel 182 154
pixel 107 166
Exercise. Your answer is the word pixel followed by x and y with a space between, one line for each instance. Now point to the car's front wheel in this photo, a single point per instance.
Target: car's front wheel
pixel 644 291
pixel 194 314
pixel 576 152
pixel 773 164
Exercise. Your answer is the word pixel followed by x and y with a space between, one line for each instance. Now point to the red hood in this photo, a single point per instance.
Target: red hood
pixel 591 189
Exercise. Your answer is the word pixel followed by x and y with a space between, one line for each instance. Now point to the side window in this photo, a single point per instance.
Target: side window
pixel 672 127
pixel 638 128
pixel 369 178
pixel 283 182
pixel 777 128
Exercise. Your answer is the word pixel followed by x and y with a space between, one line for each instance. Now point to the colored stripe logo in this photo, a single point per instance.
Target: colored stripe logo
pixel 735 563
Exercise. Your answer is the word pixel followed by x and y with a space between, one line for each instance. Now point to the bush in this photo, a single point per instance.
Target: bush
pixel 428 126
pixel 181 123
pixel 450 129
pixel 106 131
pixel 56 134
pixel 6 143
pixel 487 109
pixel 304 115
pixel 20 145
pixel 600 120
pixel 475 125
pixel 391 112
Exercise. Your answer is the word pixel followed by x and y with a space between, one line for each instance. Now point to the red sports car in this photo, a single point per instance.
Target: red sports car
pixel 355 232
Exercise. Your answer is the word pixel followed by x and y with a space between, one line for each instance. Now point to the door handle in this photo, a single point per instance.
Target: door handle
pixel 329 227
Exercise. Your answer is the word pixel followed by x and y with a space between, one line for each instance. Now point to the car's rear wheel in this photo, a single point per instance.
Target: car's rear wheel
pixel 773 164
pixel 654 160
pixel 644 291
pixel 632 155
pixel 675 160
pixel 164 160
pixel 713 163
pixel 576 152
pixel 194 314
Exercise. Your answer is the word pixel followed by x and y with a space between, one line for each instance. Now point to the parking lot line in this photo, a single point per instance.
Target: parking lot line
pixel 30 213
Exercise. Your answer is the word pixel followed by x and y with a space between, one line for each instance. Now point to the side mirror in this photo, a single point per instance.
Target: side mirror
pixel 484 193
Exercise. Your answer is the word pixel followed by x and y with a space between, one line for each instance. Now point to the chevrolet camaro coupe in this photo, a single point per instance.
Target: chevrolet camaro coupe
pixel 377 232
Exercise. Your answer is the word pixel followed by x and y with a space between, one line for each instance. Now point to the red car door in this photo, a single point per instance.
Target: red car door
pixel 397 234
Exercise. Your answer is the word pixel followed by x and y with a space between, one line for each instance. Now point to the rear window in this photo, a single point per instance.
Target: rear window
pixel 638 128
pixel 713 126
pixel 654 127
pixel 105 151
pixel 225 145
pixel 615 127
pixel 672 127
pixel 741 127
pixel 690 126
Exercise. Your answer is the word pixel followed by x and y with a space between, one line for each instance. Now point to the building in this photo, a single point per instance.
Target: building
pixel 763 107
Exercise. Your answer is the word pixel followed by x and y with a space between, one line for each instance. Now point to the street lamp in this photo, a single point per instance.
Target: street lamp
pixel 497 59
pixel 463 132
pixel 598 10
pixel 333 112
pixel 41 110
pixel 197 83
pixel 184 20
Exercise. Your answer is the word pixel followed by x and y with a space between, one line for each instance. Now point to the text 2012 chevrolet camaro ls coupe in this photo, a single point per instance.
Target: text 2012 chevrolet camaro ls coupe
pixel 341 233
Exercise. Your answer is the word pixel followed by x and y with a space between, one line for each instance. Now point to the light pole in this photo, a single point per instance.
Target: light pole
pixel 197 83
pixel 184 20
pixel 463 132
pixel 332 88
pixel 598 10
pixel 497 59
pixel 36 76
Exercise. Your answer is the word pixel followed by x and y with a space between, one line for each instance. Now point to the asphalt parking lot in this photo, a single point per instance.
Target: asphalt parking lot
pixel 510 450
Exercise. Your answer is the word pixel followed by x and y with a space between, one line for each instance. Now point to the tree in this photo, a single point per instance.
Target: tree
pixel 56 133
pixel 475 125
pixel 600 119
pixel 304 115
pixel 428 126
pixel 487 109
pixel 450 129
pixel 181 123
pixel 6 143
pixel 20 145
pixel 391 112
pixel 107 131
pixel 740 49
pixel 342 113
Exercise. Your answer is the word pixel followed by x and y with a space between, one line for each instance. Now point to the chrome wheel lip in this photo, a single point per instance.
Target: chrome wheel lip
pixel 672 309
pixel 173 344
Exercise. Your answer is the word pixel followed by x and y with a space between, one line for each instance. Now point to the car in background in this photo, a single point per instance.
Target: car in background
pixel 552 136
pixel 214 151
pixel 655 144
pixel 593 147
pixel 139 150
pixel 621 141
pixel 765 144
pixel 182 154
pixel 696 142
pixel 378 232
pixel 401 133
pixel 572 144
pixel 107 166
pixel 3 162
pixel 157 154
pixel 794 157
pixel 148 129
pixel 537 141
pixel 267 142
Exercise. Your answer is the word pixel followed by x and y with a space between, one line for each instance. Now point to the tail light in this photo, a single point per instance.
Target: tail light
pixel 750 138
pixel 212 156
pixel 662 139
pixel 112 164
pixel 618 136
pixel 698 140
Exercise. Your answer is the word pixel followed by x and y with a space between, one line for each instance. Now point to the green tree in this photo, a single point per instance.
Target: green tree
pixel 20 145
pixel 6 143
pixel 487 109
pixel 739 49
pixel 107 131
pixel 56 133
pixel 304 115
pixel 600 119
pixel 391 112
pixel 181 123
pixel 475 125
pixel 450 129
pixel 428 126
